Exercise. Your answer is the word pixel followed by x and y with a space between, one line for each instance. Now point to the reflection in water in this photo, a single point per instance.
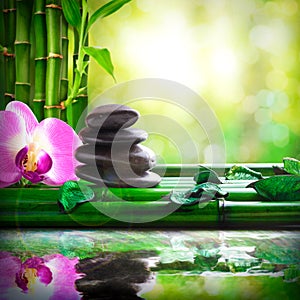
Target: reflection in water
pixel 112 276
pixel 112 264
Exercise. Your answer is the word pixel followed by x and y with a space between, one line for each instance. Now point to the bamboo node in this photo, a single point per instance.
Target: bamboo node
pixel 55 55
pixel 55 6
pixel 62 104
pixel 41 58
pixel 12 96
pixel 38 100
pixel 6 53
pixel 52 106
pixel 22 83
pixel 22 42
pixel 7 10
pixel 39 12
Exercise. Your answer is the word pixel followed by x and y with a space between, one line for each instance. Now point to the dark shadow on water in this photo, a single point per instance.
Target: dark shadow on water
pixel 113 275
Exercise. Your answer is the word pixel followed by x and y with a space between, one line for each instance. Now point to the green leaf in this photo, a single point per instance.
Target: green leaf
pixel 71 194
pixel 291 165
pixel 206 175
pixel 106 10
pixel 242 173
pixel 102 56
pixel 201 194
pixel 71 11
pixel 278 188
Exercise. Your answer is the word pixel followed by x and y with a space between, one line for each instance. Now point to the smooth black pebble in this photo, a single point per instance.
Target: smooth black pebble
pixel 125 136
pixel 112 117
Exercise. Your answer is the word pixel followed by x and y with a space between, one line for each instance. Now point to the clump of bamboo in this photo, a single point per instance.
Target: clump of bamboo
pixel 2 41
pixel 40 58
pixel 22 50
pixel 54 58
pixel 9 18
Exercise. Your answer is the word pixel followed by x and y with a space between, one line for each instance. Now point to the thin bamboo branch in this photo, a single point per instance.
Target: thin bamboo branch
pixel 9 49
pixel 80 105
pixel 40 58
pixel 22 50
pixel 53 24
pixel 64 83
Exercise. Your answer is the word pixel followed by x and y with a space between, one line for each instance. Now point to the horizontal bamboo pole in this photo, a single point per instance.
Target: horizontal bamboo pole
pixel 26 207
pixel 176 170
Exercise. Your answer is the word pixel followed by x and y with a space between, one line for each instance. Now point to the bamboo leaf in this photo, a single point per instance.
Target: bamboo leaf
pixel 291 165
pixel 71 194
pixel 71 12
pixel 242 173
pixel 206 175
pixel 106 10
pixel 102 56
pixel 201 194
pixel 278 188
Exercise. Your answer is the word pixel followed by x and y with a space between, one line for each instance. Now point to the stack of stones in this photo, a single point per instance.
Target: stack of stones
pixel 111 154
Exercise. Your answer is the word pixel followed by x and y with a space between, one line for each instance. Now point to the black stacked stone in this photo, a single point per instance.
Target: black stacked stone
pixel 111 154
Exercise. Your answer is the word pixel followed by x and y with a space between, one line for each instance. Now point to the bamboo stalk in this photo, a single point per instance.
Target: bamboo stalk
pixel 79 107
pixel 22 50
pixel 40 58
pixel 272 214
pixel 176 170
pixel 217 214
pixel 2 71
pixel 9 14
pixel 53 24
pixel 64 83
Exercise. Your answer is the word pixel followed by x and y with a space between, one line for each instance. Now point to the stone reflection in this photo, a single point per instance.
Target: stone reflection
pixel 114 276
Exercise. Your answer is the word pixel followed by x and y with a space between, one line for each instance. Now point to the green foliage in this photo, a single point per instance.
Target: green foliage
pixel 242 173
pixel 201 194
pixel 106 10
pixel 291 165
pixel 71 12
pixel 279 188
pixel 206 175
pixel 71 194
pixel 102 57
pixel 79 20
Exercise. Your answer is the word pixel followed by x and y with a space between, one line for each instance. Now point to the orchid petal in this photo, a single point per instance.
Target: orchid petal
pixel 12 139
pixel 60 141
pixel 44 162
pixel 64 276
pixel 23 111
pixel 33 176
pixel 10 265
pixel 44 274
pixel 20 156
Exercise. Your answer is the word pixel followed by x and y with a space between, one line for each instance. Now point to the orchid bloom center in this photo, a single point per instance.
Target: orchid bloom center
pixel 31 276
pixel 33 162
pixel 30 161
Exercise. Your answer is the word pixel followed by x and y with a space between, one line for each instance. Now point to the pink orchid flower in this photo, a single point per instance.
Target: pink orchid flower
pixel 39 152
pixel 49 277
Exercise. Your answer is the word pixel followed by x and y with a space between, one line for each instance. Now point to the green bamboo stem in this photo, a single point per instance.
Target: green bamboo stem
pixel 64 82
pixel 80 69
pixel 79 107
pixel 40 58
pixel 22 50
pixel 2 71
pixel 9 14
pixel 41 210
pixel 258 214
pixel 176 170
pixel 53 24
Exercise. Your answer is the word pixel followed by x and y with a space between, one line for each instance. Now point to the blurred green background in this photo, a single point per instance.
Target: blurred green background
pixel 241 56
